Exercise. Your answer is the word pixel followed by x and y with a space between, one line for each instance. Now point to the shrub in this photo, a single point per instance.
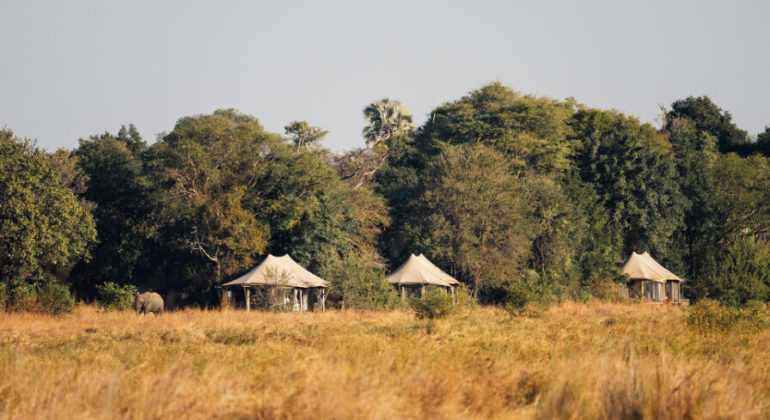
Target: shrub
pixel 708 316
pixel 113 296
pixel 528 296
pixel 434 304
pixel 755 315
pixel 360 284
pixel 23 297
pixel 463 298
pixel 55 298
pixel 611 291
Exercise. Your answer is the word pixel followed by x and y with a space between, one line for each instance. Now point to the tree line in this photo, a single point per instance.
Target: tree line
pixel 506 191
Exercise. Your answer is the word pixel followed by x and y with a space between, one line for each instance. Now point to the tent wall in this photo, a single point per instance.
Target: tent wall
pixel 673 291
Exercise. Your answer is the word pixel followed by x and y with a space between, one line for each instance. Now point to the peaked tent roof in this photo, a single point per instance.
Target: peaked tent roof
pixel 644 267
pixel 267 271
pixel 417 269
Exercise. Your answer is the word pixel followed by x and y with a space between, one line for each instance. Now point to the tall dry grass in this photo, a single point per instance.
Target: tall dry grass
pixel 574 361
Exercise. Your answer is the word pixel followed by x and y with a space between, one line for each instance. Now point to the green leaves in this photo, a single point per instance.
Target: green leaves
pixel 635 175
pixel 44 228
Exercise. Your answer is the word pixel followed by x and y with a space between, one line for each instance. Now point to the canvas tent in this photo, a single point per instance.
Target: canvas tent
pixel 648 280
pixel 281 279
pixel 417 273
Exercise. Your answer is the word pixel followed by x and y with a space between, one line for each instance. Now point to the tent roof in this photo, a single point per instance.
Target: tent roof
pixel 417 269
pixel 644 267
pixel 272 269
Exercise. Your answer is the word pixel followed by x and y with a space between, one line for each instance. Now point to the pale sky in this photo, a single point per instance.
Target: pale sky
pixel 69 69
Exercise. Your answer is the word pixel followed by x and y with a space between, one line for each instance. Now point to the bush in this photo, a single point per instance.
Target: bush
pixel 463 298
pixel 755 315
pixel 360 284
pixel 113 296
pixel 51 297
pixel 708 316
pixel 55 298
pixel 23 297
pixel 434 304
pixel 528 296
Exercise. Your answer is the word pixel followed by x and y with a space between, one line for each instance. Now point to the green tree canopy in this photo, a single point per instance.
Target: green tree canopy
pixel 386 118
pixel 530 131
pixel 302 134
pixel 708 117
pixel 474 218
pixel 44 227
pixel 119 189
pixel 634 173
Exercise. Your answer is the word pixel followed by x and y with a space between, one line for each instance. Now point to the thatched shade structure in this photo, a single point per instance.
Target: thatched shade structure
pixel 650 281
pixel 283 274
pixel 417 273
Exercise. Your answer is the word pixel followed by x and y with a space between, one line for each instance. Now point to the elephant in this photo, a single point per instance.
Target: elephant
pixel 148 302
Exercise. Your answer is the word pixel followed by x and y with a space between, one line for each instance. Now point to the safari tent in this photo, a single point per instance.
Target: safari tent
pixel 416 274
pixel 278 283
pixel 650 281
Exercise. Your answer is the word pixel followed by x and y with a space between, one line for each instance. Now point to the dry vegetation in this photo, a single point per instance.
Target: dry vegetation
pixel 576 361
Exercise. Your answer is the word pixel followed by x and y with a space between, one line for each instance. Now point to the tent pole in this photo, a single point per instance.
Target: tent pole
pixel 248 299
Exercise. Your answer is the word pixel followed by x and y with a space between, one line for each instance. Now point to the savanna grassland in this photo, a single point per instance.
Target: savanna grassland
pixel 598 360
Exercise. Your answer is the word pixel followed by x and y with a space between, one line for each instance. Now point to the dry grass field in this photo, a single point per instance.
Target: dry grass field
pixel 574 361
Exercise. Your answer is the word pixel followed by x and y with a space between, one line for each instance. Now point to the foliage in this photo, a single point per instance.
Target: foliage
pixel 114 296
pixel 52 297
pixel 44 227
pixel 709 118
pixel 497 186
pixel 528 295
pixel 385 118
pixel 737 273
pixel 530 131
pixel 475 220
pixel 709 316
pixel 302 134
pixel 119 188
pixel 55 298
pixel 695 153
pixel 635 175
pixel 205 168
pixel 434 304
pixel 360 284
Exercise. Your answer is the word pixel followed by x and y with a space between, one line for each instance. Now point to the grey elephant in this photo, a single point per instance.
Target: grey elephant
pixel 148 302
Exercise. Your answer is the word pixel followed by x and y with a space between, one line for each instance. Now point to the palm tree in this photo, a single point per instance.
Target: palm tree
pixel 386 118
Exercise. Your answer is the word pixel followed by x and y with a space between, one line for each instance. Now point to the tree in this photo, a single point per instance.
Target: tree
pixel 44 227
pixel 204 170
pixel 228 192
pixel 475 221
pixel 763 142
pixel 119 189
pixel 695 153
pixel 302 134
pixel 741 200
pixel 386 118
pixel 530 131
pixel 737 273
pixel 634 173
pixel 708 117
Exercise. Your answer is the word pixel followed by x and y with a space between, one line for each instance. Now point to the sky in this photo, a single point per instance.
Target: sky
pixel 70 69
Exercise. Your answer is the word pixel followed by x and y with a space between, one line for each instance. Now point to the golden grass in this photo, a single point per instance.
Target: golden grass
pixel 575 361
